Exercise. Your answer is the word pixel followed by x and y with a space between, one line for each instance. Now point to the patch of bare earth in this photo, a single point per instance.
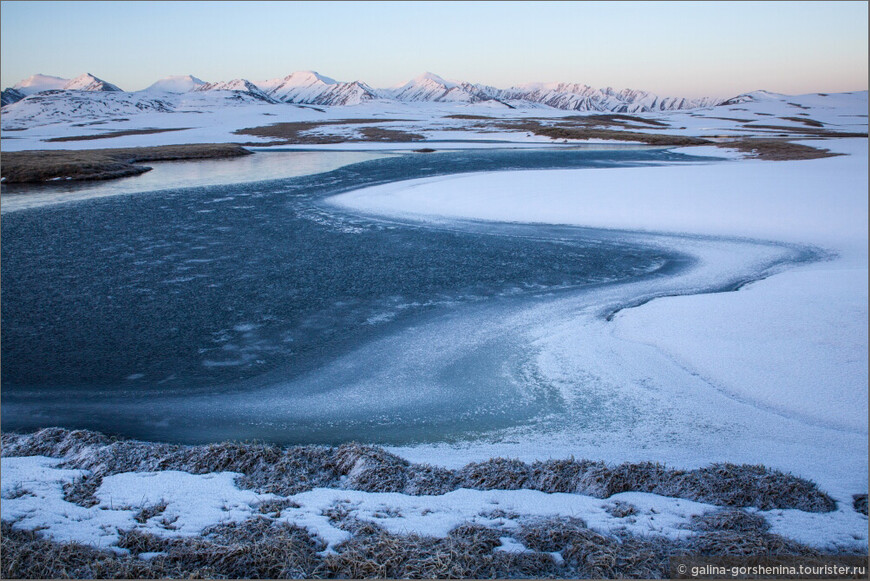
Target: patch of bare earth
pixel 110 134
pixel 585 127
pixel 102 164
pixel 806 121
pixel 776 149
pixel 317 132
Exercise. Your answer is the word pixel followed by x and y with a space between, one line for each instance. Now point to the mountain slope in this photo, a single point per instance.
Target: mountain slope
pixel 310 87
pixel 577 97
pixel 10 96
pixel 88 82
pixel 59 106
pixel 36 83
pixel 242 87
pixel 431 87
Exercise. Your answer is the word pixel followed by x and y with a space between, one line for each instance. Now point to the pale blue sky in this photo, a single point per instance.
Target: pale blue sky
pixel 679 48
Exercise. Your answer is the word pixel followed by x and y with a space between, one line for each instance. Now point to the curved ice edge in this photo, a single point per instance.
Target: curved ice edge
pixel 755 444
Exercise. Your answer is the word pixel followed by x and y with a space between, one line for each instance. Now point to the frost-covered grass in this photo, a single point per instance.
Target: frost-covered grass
pixel 253 510
pixel 291 470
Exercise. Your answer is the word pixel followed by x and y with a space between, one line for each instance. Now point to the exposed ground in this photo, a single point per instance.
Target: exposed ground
pixel 111 134
pixel 304 132
pixel 102 164
pixel 772 149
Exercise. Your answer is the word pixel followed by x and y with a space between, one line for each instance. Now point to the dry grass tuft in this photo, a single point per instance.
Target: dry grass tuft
pixel 496 473
pixel 620 509
pixel 859 503
pixel 590 554
pixel 81 491
pixel 600 126
pixel 371 469
pixel 147 512
pixel 730 519
pixel 737 533
pixel 54 442
pixel 467 552
pixel 614 119
pixel 430 480
pixel 551 535
pixel 274 507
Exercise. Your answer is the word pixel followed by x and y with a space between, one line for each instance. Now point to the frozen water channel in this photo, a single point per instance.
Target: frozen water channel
pixel 257 311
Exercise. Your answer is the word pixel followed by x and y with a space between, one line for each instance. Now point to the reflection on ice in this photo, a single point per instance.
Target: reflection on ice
pixel 184 174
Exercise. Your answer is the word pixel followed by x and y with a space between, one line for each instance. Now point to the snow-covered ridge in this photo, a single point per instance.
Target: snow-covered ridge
pixel 431 87
pixel 10 96
pixel 310 87
pixel 242 86
pixel 39 82
pixel 88 82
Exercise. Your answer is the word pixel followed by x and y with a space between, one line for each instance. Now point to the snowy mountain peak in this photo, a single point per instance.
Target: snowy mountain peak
pixel 304 78
pixel 39 82
pixel 310 87
pixel 429 78
pixel 176 84
pixel 88 82
pixel 431 87
pixel 753 96
pixel 241 86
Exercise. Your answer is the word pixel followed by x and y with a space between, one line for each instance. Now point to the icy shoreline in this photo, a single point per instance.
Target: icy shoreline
pixel 784 419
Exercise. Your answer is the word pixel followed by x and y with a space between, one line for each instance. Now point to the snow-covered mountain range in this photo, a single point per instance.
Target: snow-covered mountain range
pixel 41 83
pixel 309 87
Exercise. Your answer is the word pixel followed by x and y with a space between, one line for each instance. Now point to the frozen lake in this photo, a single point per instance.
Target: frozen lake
pixel 254 310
